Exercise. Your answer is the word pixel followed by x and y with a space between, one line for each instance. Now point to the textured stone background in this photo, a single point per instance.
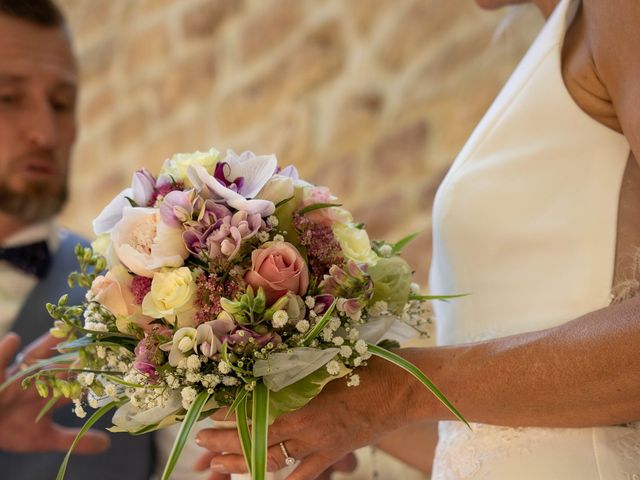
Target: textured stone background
pixel 371 97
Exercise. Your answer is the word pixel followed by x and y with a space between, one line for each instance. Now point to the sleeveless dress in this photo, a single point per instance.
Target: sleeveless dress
pixel 526 222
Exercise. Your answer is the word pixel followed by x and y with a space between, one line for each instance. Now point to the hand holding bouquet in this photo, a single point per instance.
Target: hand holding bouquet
pixel 226 281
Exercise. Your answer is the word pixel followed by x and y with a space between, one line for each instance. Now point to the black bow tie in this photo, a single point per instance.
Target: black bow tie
pixel 33 259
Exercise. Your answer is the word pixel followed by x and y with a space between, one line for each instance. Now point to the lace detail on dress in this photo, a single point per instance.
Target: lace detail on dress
pixel 462 454
pixel 630 287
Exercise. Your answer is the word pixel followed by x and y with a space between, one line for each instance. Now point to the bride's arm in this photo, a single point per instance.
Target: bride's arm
pixel 582 373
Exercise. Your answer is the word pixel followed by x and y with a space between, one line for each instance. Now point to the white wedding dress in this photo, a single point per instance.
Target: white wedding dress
pixel 526 221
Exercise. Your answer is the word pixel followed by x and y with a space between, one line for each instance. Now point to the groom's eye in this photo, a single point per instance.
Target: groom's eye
pixel 10 98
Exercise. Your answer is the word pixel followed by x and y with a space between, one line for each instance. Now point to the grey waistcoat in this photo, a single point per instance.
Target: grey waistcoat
pixel 129 457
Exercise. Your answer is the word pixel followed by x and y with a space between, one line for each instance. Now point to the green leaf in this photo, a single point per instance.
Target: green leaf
pixel 285 201
pixel 415 371
pixel 317 206
pixel 243 428
pixel 240 396
pixel 40 364
pixel 85 428
pixel 83 342
pixel 444 298
pixel 298 394
pixel 187 425
pixel 48 406
pixel 259 431
pixel 119 381
pixel 400 244
pixel 388 344
pixel 132 202
pixel 318 327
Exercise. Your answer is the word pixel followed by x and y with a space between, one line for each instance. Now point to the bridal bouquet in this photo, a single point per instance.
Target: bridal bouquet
pixel 225 281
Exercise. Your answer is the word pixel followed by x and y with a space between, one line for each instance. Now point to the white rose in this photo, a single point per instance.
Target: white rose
pixel 277 189
pixel 175 168
pixel 354 243
pixel 143 243
pixel 171 296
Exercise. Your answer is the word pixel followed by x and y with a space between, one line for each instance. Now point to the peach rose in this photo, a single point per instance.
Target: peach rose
pixel 113 293
pixel 278 268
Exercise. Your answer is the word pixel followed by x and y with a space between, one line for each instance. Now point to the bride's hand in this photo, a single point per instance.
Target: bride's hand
pixel 347 464
pixel 338 421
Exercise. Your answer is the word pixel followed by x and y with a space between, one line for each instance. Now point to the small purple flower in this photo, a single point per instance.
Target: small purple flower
pixel 218 232
pixel 210 336
pixel 241 336
pixel 143 186
pixel 145 353
pixel 322 303
pixel 176 208
pixel 351 283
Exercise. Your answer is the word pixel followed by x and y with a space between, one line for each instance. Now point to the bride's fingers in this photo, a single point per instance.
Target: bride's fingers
pixel 311 468
pixel 222 415
pixel 228 463
pixel 219 476
pixel 276 459
pixel 219 440
pixel 346 464
pixel 203 462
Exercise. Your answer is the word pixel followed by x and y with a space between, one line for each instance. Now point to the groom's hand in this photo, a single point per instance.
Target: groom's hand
pixel 19 432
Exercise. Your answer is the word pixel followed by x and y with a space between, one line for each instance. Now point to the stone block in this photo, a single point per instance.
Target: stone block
pixel 366 13
pixel 269 26
pixel 148 47
pixel 422 25
pixel 341 175
pixel 96 62
pixel 356 116
pixel 202 20
pixel 314 61
pixel 96 107
pixel 188 80
pixel 128 129
pixel 401 152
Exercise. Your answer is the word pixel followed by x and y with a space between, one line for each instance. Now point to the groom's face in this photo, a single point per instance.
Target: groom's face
pixel 38 88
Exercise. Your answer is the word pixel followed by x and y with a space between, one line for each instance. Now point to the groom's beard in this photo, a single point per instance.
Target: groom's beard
pixel 33 199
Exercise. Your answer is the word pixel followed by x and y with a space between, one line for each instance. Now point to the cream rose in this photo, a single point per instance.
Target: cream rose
pixel 144 243
pixel 278 268
pixel 277 189
pixel 355 243
pixel 171 297
pixel 175 168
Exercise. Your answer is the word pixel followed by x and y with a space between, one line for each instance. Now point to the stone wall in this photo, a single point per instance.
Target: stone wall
pixel 370 97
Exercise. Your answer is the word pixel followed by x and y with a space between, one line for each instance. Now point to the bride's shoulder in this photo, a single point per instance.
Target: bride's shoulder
pixel 614 39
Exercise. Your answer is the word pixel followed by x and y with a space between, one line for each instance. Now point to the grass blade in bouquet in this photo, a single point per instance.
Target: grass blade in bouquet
pixel 193 415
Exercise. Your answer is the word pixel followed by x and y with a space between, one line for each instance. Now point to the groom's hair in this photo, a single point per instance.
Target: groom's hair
pixel 44 13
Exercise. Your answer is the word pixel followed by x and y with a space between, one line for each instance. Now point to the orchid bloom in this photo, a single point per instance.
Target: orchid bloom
pixel 141 192
pixel 210 334
pixel 237 180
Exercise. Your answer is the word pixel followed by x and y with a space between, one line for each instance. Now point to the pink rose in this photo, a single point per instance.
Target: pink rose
pixel 326 216
pixel 278 268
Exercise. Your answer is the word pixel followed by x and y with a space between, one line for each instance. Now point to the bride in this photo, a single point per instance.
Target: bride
pixel 537 220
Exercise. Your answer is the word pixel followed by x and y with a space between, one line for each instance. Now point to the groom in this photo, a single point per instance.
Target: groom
pixel 38 89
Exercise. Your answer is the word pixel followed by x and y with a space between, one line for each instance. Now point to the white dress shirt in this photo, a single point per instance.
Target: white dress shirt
pixel 15 284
